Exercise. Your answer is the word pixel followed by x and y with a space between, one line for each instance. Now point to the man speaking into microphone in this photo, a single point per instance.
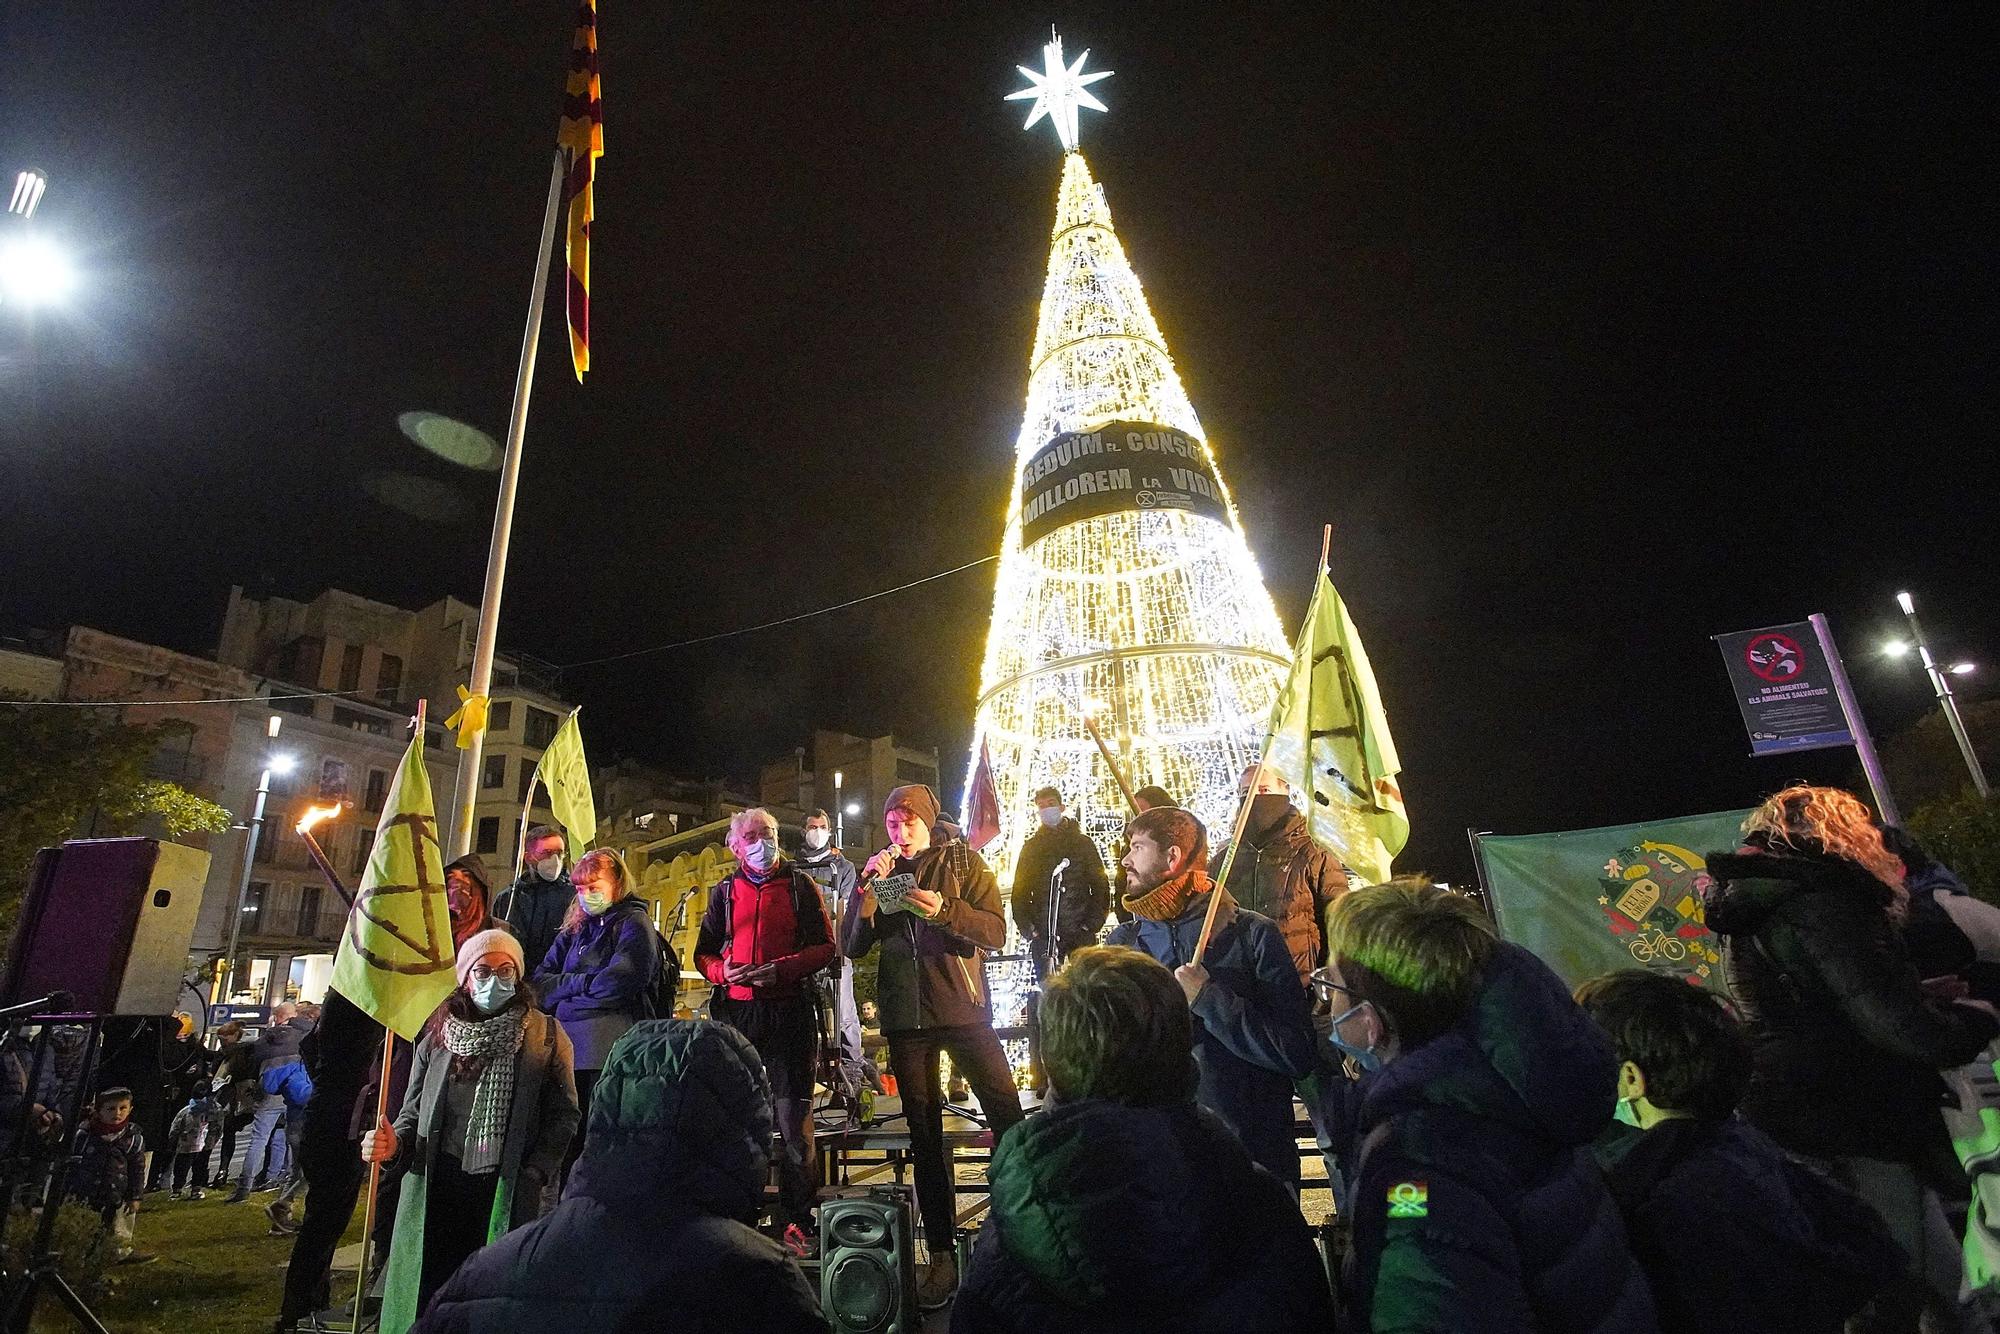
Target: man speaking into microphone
pixel 933 906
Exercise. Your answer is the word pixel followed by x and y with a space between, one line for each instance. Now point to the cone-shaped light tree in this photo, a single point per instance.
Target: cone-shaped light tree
pixel 1126 591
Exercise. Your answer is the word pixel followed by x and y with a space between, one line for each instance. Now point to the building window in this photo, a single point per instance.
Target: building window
pixel 501 716
pixel 309 909
pixel 300 660
pixel 364 843
pixel 267 842
pixel 378 791
pixel 332 780
pixel 253 903
pixel 356 721
pixel 489 835
pixel 495 772
pixel 350 667
pixel 540 727
pixel 527 780
pixel 389 677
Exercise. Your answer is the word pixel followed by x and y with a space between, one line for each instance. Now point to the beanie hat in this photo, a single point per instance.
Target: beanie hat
pixel 491 941
pixel 917 799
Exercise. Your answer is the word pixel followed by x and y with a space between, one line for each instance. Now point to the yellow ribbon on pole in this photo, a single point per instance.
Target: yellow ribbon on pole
pixel 470 720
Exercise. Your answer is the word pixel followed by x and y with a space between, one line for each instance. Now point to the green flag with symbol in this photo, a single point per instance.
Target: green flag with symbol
pixel 566 775
pixel 396 954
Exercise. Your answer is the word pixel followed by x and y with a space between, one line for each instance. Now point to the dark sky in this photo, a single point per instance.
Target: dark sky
pixel 1592 334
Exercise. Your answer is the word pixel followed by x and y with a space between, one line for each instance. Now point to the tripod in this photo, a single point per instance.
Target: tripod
pixel 40 1268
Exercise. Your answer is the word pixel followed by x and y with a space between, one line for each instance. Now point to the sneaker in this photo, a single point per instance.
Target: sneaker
pixel 281 1219
pixel 271 1187
pixel 240 1194
pixel 937 1283
pixel 802 1244
pixel 197 1194
pixel 174 1194
pixel 286 1228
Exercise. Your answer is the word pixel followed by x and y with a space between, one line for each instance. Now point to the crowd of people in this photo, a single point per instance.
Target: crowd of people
pixel 1503 1153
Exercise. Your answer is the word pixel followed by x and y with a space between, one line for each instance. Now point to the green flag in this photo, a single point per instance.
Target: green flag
pixel 1330 740
pixel 564 772
pixel 396 954
pixel 1592 901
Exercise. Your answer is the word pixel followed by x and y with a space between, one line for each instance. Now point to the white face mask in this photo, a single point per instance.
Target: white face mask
pixel 761 855
pixel 817 838
pixel 1051 816
pixel 550 867
pixel 491 995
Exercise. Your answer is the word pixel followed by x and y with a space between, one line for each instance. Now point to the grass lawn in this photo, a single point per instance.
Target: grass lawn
pixel 218 1272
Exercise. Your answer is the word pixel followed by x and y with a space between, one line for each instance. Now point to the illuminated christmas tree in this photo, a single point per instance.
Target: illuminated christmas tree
pixel 1126 590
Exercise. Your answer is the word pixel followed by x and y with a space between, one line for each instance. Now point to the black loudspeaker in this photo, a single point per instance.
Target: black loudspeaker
pixel 868 1267
pixel 107 920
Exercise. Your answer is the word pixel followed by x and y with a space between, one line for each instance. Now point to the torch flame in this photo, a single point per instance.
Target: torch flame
pixel 316 814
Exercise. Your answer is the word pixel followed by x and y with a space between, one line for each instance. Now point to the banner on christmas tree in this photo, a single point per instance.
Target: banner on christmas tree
pixel 1119 466
pixel 1591 901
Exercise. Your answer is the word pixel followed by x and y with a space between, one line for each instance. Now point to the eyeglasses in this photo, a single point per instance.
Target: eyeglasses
pixel 506 972
pixel 1323 983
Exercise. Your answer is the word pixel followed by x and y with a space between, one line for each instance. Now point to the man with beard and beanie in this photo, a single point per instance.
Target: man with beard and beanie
pixel 533 907
pixel 764 935
pixel 1124 1207
pixel 945 910
pixel 343 1057
pixel 1252 1031
pixel 1057 847
pixel 1477 1204
pixel 836 878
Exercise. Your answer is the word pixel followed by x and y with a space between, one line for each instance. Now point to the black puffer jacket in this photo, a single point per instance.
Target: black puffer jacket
pixel 1847 1046
pixel 651 1233
pixel 1110 1218
pixel 1086 889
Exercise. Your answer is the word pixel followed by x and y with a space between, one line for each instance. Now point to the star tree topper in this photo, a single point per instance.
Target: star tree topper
pixel 1059 90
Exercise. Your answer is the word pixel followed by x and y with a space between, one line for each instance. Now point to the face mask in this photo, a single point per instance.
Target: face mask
pixel 491 996
pixel 594 902
pixel 1366 1059
pixel 549 867
pixel 817 838
pixel 761 855
pixel 1628 1113
pixel 1051 816
pixel 1268 810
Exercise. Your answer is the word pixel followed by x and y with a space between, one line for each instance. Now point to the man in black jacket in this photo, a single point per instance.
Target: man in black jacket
pixel 1057 855
pixel 533 906
pixel 943 912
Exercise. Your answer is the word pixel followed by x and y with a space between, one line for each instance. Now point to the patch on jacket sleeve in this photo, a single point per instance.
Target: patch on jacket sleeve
pixel 1410 1199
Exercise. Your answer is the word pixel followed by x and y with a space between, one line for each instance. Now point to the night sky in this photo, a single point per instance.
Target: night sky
pixel 1592 335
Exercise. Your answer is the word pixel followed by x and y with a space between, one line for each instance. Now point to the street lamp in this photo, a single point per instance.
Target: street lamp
pixel 839 820
pixel 277 763
pixel 28 188
pixel 33 271
pixel 1941 684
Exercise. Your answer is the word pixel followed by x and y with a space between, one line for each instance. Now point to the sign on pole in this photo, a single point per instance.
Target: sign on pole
pixel 1785 689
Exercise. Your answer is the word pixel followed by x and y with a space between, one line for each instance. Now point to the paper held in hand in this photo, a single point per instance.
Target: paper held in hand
pixel 891 890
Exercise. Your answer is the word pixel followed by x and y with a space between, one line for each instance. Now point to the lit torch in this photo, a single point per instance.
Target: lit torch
pixel 1091 708
pixel 314 816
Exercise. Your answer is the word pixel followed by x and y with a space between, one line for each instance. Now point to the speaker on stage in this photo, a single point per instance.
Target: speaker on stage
pixel 868 1267
pixel 107 920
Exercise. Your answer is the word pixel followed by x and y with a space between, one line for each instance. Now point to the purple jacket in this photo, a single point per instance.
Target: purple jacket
pixel 597 976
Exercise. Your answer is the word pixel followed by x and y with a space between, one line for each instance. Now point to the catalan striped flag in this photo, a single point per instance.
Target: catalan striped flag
pixel 582 138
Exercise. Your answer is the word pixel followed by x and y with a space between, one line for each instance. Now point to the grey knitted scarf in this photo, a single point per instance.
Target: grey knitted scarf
pixel 495 1041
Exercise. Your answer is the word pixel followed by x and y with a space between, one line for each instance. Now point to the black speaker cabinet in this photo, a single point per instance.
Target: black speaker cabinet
pixel 108 920
pixel 868 1267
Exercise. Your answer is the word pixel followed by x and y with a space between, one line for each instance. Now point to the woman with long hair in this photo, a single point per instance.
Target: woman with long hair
pixel 490 1111
pixel 1848 1041
pixel 597 978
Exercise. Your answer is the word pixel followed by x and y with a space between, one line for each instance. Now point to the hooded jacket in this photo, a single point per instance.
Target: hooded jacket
pixel 1476 1203
pixel 931 973
pixel 1781 1248
pixel 651 1232
pixel 597 977
pixel 1847 1047
pixel 1292 880
pixel 1253 1029
pixel 1086 889
pixel 1111 1219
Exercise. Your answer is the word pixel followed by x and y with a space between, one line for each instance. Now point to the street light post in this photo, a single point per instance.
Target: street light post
pixel 272 761
pixel 839 816
pixel 1941 684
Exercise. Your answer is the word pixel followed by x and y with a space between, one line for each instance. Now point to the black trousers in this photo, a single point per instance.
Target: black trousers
pixel 786 1035
pixel 458 1212
pixel 335 1178
pixel 586 1080
pixel 191 1165
pixel 976 1054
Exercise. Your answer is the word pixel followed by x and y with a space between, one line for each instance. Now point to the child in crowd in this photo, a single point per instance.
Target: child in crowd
pixel 1733 1235
pixel 110 1169
pixel 193 1127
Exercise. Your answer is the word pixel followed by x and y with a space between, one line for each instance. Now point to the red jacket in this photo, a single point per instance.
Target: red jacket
pixel 780 921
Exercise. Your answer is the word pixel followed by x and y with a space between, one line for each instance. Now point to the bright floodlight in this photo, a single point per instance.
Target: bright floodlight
pixel 34 272
pixel 1895 648
pixel 854 808
pixel 284 764
pixel 28 188
pixel 1962 668
pixel 1058 91
pixel 1903 601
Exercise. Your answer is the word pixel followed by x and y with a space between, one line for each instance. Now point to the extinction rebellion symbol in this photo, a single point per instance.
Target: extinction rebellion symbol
pixel 1774 657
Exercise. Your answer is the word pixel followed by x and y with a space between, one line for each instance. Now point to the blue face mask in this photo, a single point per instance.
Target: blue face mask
pixel 1627 1113
pixel 1366 1059
pixel 761 855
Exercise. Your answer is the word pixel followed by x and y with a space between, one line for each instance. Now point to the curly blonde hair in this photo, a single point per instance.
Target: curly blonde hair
pixel 1827 819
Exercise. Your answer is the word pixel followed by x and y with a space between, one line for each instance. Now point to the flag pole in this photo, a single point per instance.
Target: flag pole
pixel 503 519
pixel 1090 726
pixel 1263 757
pixel 381 1115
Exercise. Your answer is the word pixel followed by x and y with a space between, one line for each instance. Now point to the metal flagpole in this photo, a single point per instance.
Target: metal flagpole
pixel 503 519
pixel 1857 726
pixel 1941 685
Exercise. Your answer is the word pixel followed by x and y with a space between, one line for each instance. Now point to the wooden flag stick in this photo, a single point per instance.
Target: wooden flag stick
pixel 374 1176
pixel 1090 726
pixel 1325 545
